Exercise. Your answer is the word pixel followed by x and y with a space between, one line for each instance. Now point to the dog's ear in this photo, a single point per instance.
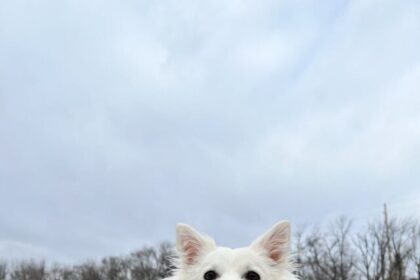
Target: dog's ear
pixel 274 243
pixel 191 245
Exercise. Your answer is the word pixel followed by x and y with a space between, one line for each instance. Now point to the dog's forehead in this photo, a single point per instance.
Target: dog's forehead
pixel 232 258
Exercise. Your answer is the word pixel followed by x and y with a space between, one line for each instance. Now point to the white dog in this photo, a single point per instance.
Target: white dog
pixel 267 258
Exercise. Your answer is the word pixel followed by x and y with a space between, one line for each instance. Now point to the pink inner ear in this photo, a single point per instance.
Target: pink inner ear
pixel 275 255
pixel 274 246
pixel 191 250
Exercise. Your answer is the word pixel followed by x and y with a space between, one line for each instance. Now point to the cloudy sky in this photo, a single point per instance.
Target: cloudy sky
pixel 119 119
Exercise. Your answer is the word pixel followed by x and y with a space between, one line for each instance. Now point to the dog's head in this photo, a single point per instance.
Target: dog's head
pixel 267 258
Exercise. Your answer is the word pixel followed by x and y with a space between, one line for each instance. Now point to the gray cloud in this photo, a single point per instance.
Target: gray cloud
pixel 120 119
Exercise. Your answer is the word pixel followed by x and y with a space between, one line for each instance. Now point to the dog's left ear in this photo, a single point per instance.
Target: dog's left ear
pixel 275 243
pixel 191 245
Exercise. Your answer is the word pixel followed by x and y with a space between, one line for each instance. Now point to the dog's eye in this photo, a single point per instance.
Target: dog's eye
pixel 210 275
pixel 252 275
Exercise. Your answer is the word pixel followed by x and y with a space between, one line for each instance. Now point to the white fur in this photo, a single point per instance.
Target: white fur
pixel 268 255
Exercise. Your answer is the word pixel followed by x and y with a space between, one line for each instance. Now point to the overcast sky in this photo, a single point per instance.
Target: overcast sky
pixel 119 119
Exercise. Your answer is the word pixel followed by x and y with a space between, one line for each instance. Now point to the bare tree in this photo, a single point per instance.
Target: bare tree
pixel 166 260
pixel 3 270
pixel 369 252
pixel 54 273
pixel 115 268
pixel 340 248
pixel 400 250
pixel 29 271
pixel 415 244
pixel 386 248
pixel 89 271
pixel 143 264
pixel 299 254
pixel 314 259
pixel 328 255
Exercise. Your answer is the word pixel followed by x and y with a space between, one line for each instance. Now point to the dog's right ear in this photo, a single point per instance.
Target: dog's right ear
pixel 191 245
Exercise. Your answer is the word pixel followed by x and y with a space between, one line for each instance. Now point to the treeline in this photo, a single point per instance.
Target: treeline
pixel 146 264
pixel 384 249
pixel 387 249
